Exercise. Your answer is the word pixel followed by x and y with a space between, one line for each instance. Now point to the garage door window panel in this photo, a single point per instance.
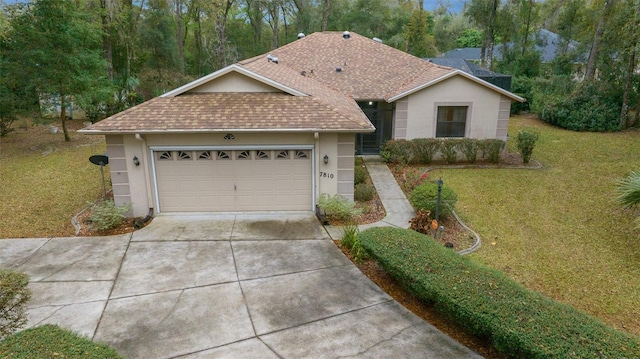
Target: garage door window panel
pixel 243 155
pixel 282 155
pixel 223 155
pixel 204 155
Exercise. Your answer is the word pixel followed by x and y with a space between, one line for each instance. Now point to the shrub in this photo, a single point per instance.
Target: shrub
pixel 14 296
pixel 50 341
pixel 398 152
pixel 338 208
pixel 469 147
pixel 425 196
pixel 491 149
pixel 424 149
pixel 448 148
pixel 526 141
pixel 359 174
pixel 411 178
pixel 106 215
pixel 351 242
pixel 518 322
pixel 363 192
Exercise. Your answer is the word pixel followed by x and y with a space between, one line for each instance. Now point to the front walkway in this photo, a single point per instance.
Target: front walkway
pixel 399 210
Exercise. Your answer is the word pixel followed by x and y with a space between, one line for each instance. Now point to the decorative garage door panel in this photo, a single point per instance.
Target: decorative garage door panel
pixel 238 180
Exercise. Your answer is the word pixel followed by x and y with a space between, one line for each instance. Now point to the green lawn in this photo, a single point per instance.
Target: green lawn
pixel 559 230
pixel 44 181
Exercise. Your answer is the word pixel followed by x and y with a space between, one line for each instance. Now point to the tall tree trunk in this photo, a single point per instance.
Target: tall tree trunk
pixel 106 37
pixel 527 28
pixel 179 36
pixel 326 11
pixel 631 66
pixel 590 72
pixel 491 34
pixel 63 118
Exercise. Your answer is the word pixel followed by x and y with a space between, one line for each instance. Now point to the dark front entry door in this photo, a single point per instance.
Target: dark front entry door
pixel 381 116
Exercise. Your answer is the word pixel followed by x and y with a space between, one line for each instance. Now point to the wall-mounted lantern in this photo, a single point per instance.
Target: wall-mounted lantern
pixel 136 161
pixel 326 159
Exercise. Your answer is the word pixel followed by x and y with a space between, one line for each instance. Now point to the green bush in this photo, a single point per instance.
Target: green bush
pixel 449 150
pixel 491 149
pixel 526 141
pixel 397 151
pixel 469 148
pixel 50 341
pixel 518 322
pixel 424 149
pixel 106 215
pixel 363 192
pixel 425 196
pixel 14 296
pixel 338 208
pixel 359 174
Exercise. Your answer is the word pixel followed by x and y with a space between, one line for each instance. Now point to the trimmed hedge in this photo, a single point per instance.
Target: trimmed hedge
pixel 50 341
pixel 519 323
pixel 423 150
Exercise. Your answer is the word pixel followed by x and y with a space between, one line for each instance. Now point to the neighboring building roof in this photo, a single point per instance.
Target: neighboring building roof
pixel 500 80
pixel 319 77
pixel 547 43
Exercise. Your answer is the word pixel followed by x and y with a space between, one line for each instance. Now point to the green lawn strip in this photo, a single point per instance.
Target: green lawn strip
pixel 519 322
pixel 559 230
pixel 40 194
pixel 50 341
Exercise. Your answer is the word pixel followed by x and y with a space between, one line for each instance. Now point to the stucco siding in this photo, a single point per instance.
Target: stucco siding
pixel 234 82
pixel 400 119
pixel 483 112
pixel 346 153
pixel 118 169
pixel 502 127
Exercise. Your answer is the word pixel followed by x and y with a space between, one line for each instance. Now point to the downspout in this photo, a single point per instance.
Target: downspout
pixel 145 155
pixel 316 165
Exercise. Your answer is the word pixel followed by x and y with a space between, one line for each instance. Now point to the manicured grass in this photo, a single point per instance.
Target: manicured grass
pixel 50 341
pixel 559 230
pixel 44 181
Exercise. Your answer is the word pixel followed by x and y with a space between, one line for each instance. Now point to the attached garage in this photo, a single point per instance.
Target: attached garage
pixel 234 179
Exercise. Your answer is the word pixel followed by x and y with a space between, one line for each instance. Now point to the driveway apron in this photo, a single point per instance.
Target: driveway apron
pixel 267 285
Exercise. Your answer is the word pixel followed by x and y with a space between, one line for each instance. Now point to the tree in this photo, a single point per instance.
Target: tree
pixel 629 190
pixel 484 14
pixel 416 33
pixel 59 52
pixel 470 38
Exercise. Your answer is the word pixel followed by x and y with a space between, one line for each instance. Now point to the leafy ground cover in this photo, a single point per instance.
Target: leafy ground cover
pixel 559 230
pixel 44 181
pixel 50 341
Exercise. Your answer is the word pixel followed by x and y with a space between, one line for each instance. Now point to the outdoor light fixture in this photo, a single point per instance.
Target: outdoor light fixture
pixel 326 159
pixel 136 161
pixel 440 183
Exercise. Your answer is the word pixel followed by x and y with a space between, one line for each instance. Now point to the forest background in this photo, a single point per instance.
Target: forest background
pixel 108 55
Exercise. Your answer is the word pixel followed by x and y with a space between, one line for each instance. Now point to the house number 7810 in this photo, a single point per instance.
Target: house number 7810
pixel 326 175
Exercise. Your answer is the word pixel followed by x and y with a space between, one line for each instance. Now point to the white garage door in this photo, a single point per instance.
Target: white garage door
pixel 234 180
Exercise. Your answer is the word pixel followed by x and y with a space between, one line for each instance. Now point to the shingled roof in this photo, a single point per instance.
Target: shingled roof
pixel 318 78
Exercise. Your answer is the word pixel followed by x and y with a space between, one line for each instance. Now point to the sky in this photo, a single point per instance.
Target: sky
pixel 454 6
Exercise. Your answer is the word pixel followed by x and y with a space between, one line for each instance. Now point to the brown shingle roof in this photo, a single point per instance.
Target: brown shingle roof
pixel 239 111
pixel 369 70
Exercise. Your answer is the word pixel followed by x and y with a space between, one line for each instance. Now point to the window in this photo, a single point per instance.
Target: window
pixel 184 155
pixel 204 155
pixel 222 155
pixel 244 155
pixel 262 155
pixel 301 154
pixel 283 155
pixel 165 155
pixel 452 121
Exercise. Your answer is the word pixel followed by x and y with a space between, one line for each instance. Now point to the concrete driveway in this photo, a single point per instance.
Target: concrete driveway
pixel 223 286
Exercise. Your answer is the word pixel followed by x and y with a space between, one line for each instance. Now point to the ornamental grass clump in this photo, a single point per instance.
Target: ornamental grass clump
pixel 338 208
pixel 106 215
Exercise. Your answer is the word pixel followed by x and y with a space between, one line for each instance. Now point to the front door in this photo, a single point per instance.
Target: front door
pixel 381 116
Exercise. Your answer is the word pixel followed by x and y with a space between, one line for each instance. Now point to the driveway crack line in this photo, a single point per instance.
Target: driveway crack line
pixel 244 297
pixel 113 285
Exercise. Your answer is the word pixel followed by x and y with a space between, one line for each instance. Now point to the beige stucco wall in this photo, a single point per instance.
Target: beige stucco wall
pixel 484 111
pixel 134 184
pixel 234 82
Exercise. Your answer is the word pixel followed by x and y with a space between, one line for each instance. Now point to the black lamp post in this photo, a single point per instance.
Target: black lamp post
pixel 440 183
